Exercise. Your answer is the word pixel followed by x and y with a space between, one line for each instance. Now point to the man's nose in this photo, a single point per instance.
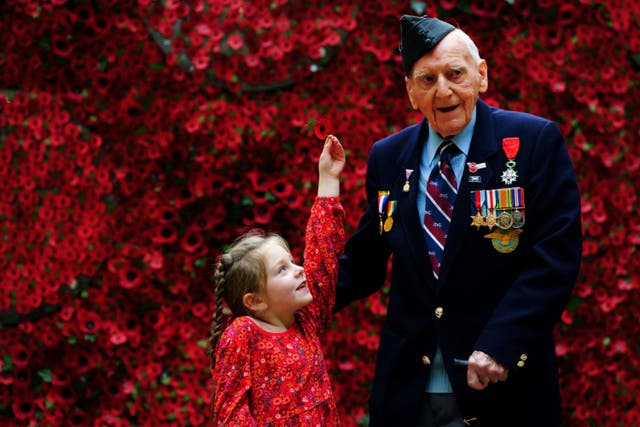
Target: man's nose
pixel 442 87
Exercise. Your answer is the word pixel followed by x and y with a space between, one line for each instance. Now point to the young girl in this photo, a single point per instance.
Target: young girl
pixel 268 367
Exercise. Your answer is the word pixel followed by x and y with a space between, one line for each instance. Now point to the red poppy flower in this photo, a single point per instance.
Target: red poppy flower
pixel 89 322
pixel 130 277
pixel 19 354
pixel 154 259
pixel 322 128
pixel 235 41
pixel 117 337
pixel 23 409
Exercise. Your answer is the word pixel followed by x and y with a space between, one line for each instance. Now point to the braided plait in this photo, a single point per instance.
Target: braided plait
pixel 218 320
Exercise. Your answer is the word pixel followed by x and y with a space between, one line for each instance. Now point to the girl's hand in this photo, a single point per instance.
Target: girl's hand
pixel 330 165
pixel 332 159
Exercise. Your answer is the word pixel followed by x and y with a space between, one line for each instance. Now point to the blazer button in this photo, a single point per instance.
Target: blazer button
pixel 520 364
pixel 439 312
pixel 426 360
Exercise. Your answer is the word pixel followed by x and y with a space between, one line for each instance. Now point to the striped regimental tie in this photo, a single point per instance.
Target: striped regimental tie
pixel 441 196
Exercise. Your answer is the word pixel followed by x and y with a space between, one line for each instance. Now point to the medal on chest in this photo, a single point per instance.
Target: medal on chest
pixel 502 208
pixel 386 208
pixel 510 146
pixel 407 174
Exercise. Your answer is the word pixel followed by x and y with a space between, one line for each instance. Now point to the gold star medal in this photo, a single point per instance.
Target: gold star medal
pixel 478 220
pixel 477 199
pixel 490 220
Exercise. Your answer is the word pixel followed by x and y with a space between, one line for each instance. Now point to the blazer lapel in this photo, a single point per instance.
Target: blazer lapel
pixel 484 146
pixel 407 209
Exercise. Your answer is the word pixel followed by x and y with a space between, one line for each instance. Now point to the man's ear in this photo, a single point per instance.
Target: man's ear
pixel 484 76
pixel 410 86
pixel 253 302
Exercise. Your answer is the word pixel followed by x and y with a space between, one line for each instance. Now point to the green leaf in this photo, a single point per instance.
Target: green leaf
pixel 7 363
pixel 574 303
pixel 45 374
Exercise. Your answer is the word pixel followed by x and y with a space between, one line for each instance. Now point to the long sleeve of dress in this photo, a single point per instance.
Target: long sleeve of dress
pixel 232 379
pixel 324 244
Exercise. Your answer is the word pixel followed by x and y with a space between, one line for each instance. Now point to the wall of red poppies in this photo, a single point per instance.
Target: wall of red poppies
pixel 137 138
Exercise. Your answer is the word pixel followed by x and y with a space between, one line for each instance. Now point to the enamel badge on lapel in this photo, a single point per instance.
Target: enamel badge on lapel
pixel 510 146
pixel 474 168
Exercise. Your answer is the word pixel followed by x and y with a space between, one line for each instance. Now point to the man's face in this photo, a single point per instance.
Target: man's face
pixel 445 83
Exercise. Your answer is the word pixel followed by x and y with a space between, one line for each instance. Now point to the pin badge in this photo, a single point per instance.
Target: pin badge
pixel 475 167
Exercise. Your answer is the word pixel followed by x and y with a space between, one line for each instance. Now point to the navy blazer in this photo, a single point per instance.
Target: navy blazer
pixel 504 304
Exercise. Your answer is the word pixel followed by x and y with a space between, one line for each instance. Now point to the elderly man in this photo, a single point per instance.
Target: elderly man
pixel 478 209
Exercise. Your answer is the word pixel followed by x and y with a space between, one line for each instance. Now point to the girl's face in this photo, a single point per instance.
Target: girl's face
pixel 286 289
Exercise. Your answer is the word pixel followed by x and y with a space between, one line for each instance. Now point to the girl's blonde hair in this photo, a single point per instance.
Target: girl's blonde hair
pixel 239 271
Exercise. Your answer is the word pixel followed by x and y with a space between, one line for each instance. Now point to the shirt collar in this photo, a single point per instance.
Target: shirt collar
pixel 461 140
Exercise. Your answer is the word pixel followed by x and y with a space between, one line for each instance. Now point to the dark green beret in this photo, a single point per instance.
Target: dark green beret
pixel 420 34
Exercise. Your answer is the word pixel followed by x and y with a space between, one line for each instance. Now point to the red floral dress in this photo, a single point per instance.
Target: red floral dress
pixel 280 379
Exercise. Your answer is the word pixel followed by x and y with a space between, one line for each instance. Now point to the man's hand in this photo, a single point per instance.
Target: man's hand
pixel 483 369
